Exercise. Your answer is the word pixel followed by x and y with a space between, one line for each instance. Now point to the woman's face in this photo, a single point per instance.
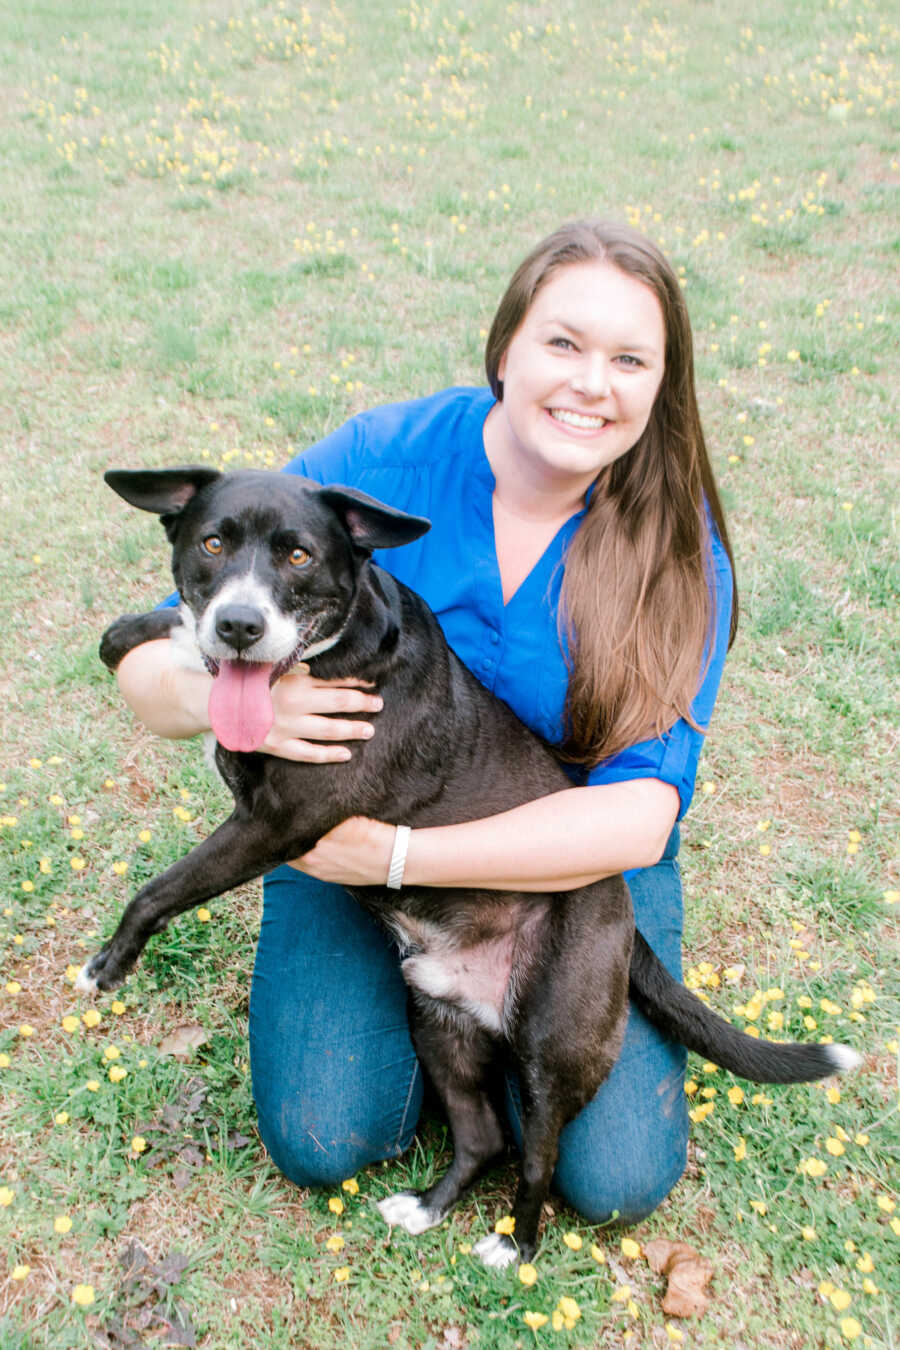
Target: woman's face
pixel 580 375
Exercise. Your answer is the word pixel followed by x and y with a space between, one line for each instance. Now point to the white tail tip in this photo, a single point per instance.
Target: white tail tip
pixel 843 1057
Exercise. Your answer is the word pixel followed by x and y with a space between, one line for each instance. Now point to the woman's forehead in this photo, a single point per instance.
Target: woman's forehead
pixel 586 294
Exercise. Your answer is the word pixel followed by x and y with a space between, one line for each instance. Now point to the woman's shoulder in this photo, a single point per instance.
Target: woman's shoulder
pixel 396 436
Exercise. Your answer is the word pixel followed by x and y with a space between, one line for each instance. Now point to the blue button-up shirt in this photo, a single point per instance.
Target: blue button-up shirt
pixel 427 457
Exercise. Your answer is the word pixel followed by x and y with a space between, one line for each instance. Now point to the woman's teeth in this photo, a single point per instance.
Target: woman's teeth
pixel 574 419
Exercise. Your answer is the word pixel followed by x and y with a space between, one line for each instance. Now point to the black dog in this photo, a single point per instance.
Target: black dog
pixel 272 568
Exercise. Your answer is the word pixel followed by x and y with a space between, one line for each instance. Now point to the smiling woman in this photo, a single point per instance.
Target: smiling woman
pixel 579 565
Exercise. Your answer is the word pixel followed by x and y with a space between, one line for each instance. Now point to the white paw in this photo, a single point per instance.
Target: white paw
pixel 497 1250
pixel 85 983
pixel 407 1211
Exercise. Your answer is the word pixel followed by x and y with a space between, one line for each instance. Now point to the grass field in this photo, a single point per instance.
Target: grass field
pixel 227 225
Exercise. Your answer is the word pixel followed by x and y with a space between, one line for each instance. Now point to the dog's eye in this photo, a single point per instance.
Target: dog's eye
pixel 298 557
pixel 213 544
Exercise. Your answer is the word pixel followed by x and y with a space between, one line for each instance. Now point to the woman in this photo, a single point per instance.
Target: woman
pixel 579 563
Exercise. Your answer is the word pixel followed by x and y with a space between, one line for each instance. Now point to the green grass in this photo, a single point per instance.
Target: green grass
pixel 225 228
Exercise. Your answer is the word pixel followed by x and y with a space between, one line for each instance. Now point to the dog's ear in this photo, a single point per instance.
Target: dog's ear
pixel 164 491
pixel 370 523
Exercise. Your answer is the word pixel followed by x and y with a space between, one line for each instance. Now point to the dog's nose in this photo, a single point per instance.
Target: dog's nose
pixel 240 626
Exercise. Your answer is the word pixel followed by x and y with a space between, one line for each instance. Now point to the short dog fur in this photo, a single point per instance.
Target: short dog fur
pixel 272 568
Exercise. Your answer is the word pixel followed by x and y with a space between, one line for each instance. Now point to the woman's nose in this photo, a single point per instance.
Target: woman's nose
pixel 591 378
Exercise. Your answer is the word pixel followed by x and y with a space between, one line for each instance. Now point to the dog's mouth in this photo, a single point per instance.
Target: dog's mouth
pixel 240 701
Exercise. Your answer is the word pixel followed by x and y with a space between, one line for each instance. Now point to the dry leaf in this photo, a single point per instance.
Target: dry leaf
pixel 688 1275
pixel 183 1040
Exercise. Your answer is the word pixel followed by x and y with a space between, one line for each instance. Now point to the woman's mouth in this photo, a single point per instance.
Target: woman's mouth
pixel 583 421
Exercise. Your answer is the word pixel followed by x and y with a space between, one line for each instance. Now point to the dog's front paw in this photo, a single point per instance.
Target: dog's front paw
pixel 406 1210
pixel 100 973
pixel 497 1250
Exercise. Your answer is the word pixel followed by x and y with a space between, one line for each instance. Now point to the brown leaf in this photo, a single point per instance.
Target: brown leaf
pixel 688 1275
pixel 183 1040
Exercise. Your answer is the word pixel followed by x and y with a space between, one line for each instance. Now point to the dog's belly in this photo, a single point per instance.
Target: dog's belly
pixel 480 978
pixel 474 979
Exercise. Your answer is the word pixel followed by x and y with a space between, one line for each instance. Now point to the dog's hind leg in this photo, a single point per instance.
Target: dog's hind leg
pixel 457 1057
pixel 238 851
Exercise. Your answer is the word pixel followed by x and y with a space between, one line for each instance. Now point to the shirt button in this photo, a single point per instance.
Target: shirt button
pixel 495 636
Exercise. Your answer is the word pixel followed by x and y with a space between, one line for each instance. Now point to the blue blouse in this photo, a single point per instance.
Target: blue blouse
pixel 427 457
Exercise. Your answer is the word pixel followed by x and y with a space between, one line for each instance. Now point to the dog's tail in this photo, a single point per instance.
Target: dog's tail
pixel 686 1018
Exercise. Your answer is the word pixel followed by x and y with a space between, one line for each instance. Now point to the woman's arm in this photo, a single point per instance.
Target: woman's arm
pixel 553 844
pixel 172 700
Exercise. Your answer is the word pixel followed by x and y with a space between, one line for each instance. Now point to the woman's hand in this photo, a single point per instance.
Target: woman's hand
pixel 307 717
pixel 355 853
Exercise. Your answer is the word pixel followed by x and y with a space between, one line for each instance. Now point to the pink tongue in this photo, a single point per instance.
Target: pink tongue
pixel 240 705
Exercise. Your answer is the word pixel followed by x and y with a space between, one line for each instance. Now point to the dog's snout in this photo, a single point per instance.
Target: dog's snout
pixel 240 626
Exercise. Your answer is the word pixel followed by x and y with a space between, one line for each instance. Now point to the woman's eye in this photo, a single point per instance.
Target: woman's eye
pixel 213 545
pixel 627 360
pixel 563 344
pixel 298 557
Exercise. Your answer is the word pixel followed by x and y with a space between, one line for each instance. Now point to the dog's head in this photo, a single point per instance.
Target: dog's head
pixel 267 566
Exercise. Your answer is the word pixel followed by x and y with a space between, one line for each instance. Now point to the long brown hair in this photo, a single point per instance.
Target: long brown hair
pixel 636 607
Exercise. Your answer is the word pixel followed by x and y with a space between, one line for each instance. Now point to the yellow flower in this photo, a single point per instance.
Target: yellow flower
pixel 735 1095
pixel 840 1299
pixel 861 1139
pixel 760 1206
pixel 61 1118
pixel 505 1225
pixel 351 1186
pixel 527 1273
pixel 91 1018
pixel 598 1254
pixel 674 1333
pixel 112 1052
pixel 336 1205
pixel 62 1223
pixel 886 1203
pixel 809 1233
pixel 117 1007
pixel 569 1308
pixel 535 1319
pixel 4 1061
pixel 833 1095
pixel 813 1167
pixel 203 914
pixel 850 1328
pixel 7 1195
pixel 20 1272
pixel 621 1294
pixel 834 1147
pixel 70 1023
pixel 740 1149
pixel 335 1243
pixel 138 1144
pixel 572 1240
pixel 78 864
pixel 83 1295
pixel 630 1248
pixel 865 1264
pixel 117 1073
pixel 341 1274
pixel 25 1030
pixel 92 1085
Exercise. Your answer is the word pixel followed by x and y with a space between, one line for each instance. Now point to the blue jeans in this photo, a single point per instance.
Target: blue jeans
pixel 338 1086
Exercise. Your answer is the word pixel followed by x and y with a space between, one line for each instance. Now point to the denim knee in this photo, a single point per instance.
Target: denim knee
pixel 626 1197
pixel 308 1155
